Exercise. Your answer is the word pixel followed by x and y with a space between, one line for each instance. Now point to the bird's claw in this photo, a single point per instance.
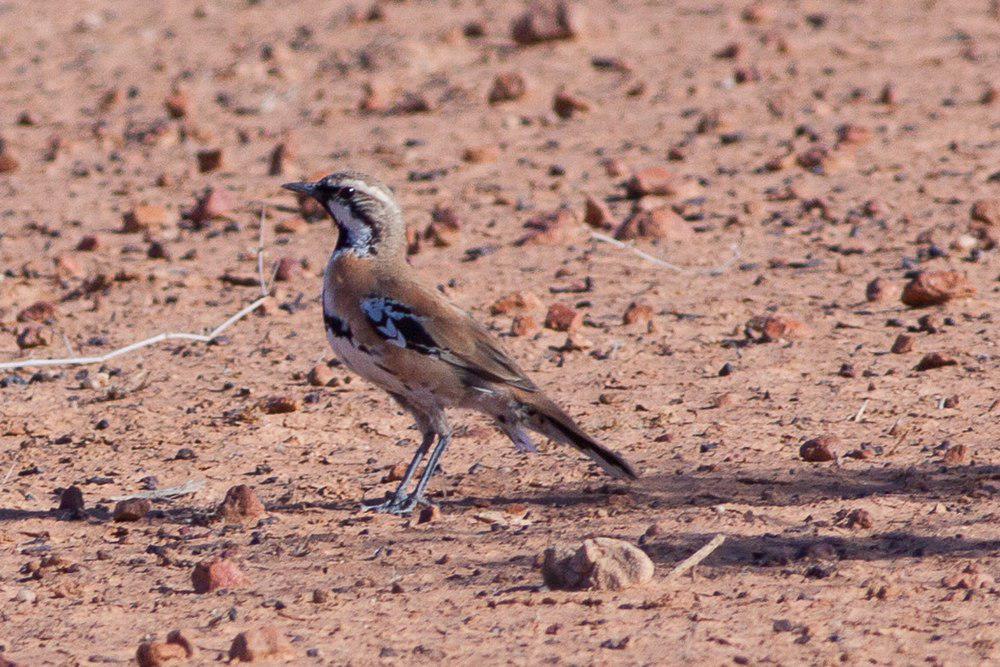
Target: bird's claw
pixel 400 505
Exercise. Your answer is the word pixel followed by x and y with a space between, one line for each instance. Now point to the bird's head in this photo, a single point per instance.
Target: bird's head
pixel 365 211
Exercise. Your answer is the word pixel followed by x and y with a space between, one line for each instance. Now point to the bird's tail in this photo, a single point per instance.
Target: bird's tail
pixel 546 418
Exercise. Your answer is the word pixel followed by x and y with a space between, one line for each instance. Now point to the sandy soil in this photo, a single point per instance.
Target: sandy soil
pixel 885 557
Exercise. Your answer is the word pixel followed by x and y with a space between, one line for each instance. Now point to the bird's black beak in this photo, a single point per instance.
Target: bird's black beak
pixel 304 188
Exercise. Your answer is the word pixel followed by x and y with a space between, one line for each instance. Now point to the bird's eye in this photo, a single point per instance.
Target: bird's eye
pixel 347 192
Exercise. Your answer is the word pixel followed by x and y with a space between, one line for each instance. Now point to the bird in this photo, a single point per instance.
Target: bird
pixel 427 353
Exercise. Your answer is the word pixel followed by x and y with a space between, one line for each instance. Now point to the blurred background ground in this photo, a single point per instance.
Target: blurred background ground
pixel 837 143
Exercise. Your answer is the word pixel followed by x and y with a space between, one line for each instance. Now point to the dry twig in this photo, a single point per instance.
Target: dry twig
pixel 696 557
pixel 734 248
pixel 191 486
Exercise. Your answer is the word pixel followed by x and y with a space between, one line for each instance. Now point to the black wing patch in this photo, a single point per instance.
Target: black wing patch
pixel 398 325
pixel 337 327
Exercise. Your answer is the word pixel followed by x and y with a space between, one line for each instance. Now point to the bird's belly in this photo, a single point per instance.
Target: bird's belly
pixel 363 363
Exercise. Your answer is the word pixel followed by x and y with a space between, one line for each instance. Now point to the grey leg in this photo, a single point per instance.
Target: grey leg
pixel 399 499
pixel 442 444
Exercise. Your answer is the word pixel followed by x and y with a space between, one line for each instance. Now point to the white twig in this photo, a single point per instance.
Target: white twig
pixel 260 256
pixel 734 248
pixel 190 486
pixel 696 557
pixel 861 411
pixel 82 361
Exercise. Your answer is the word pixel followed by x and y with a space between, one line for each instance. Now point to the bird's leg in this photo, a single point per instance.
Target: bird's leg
pixel 395 503
pixel 418 494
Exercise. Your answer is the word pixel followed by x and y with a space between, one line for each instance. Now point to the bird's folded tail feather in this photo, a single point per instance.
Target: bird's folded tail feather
pixel 554 423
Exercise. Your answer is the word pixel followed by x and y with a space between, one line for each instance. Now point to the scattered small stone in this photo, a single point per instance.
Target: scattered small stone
pixel 291 226
pixel 258 645
pixel 8 162
pixel 561 317
pixel 177 104
pixel 286 269
pixel 936 287
pixel 875 290
pixel 819 450
pixel 660 223
pixel 935 360
pixel 903 344
pixel 40 311
pixel 986 211
pixel 480 154
pixel 145 218
pixel 321 375
pixel 279 405
pixel 638 313
pixel 209 159
pixel 524 325
pixel 278 159
pixel 429 513
pixel 445 228
pixel 515 302
pixel 320 596
pixel 770 328
pixel 33 336
pixel 955 455
pixel 132 509
pixel 601 563
pixel 157 250
pixel 88 243
pixel 213 204
pixel 651 181
pixel 860 518
pixel 71 500
pixel 596 214
pixel 216 573
pixel 507 87
pixel 240 504
pixel 177 648
pixel 547 20
pixel 185 454
pixel 555 228
pixel 566 105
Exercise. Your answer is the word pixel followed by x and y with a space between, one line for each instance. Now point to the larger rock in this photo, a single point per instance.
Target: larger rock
pixel 933 288
pixel 659 223
pixel 259 645
pixel 547 20
pixel 600 564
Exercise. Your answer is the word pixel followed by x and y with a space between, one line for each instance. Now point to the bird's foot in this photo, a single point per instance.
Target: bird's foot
pixel 400 505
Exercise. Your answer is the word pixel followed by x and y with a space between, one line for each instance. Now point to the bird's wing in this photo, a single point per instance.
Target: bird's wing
pixel 414 318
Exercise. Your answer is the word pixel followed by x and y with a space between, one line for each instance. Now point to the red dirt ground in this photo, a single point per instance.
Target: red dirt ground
pixel 889 558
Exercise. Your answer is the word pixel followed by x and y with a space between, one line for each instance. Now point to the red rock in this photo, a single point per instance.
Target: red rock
pixel 507 87
pixel 875 290
pixel 515 302
pixel 177 104
pixel 209 159
pixel 860 518
pixel 155 654
pixel 561 317
pixel 769 328
pixel 8 163
pixel 758 12
pixel 279 405
pixel 903 344
pixel 280 155
pixel 287 269
pixel 88 243
pixel 445 228
pixel 259 645
pixel 376 98
pixel 40 311
pixel 659 223
pixel 547 20
pixel 145 218
pixel 555 228
pixel 71 500
pixel 32 336
pixel 321 376
pixel 395 473
pixel 853 135
pixel 638 313
pixel 410 102
pixel 596 214
pixel 614 167
pixel 932 288
pixel 480 154
pixel 213 204
pixel 819 450
pixel 133 509
pixel 157 250
pixel 566 105
pixel 215 573
pixel 291 226
pixel 955 455
pixel 986 211
pixel 524 325
pixel 652 181
pixel 240 504
pixel 428 514
pixel 935 360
